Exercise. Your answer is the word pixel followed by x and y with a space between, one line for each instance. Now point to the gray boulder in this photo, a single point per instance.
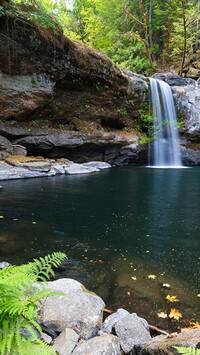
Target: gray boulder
pixel 79 310
pixel 65 343
pixel 112 319
pixel 132 330
pixel 104 345
pixel 165 346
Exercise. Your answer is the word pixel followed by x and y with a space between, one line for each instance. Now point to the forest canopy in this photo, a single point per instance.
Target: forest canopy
pixel 139 35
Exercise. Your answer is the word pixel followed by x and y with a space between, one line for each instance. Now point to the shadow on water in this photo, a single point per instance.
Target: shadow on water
pixel 117 227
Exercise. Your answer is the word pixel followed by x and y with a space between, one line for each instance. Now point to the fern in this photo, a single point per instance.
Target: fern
pixel 187 351
pixel 20 291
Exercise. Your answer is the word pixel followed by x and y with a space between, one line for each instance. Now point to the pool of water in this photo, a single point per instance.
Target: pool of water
pixel 117 228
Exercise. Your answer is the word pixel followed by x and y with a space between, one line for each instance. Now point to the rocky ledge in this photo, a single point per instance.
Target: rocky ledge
pixel 22 167
pixel 72 324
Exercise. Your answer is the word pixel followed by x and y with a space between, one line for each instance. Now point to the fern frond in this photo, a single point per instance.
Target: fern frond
pixel 187 351
pixel 20 292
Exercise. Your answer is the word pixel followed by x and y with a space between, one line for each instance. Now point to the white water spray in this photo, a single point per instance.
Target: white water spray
pixel 166 152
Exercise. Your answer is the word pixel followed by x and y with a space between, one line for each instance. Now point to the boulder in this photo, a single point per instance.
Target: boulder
pixel 132 330
pixel 110 321
pixel 165 346
pixel 106 344
pixel 65 343
pixel 79 310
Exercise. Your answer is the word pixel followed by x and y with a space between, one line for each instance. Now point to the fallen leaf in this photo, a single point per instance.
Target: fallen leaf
pixel 198 295
pixel 134 278
pixel 172 298
pixel 175 314
pixel 151 277
pixel 195 325
pixel 128 293
pixel 166 285
pixel 98 261
pixel 162 315
pixel 1 216
pixel 33 222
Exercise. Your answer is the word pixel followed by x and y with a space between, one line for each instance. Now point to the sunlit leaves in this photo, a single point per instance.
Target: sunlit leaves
pixel 162 315
pixel 172 298
pixel 175 314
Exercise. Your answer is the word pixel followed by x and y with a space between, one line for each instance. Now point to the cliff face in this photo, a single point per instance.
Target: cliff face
pixel 51 85
pixel 47 76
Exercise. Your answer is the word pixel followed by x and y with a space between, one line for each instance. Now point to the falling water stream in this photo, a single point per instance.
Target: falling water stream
pixel 165 150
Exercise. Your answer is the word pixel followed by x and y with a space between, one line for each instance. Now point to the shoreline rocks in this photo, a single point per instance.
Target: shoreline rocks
pixel 44 168
pixel 74 321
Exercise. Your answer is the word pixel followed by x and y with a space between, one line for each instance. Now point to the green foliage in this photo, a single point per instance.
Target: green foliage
pixel 103 25
pixel 39 11
pixel 21 290
pixel 187 351
pixel 180 124
pixel 123 111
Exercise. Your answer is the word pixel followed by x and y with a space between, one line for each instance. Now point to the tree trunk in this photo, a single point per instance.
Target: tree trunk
pixel 185 38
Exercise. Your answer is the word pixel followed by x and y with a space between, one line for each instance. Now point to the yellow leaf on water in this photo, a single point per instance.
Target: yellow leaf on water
pixel 195 325
pixel 1 216
pixel 33 222
pixel 175 314
pixel 151 277
pixel 128 293
pixel 172 298
pixel 162 315
pixel 198 295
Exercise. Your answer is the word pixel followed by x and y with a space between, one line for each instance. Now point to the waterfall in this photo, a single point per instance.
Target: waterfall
pixel 165 150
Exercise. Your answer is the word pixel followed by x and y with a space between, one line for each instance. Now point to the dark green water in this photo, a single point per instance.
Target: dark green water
pixel 134 221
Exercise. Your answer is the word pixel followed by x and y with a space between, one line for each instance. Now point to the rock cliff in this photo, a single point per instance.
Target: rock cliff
pixel 49 82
